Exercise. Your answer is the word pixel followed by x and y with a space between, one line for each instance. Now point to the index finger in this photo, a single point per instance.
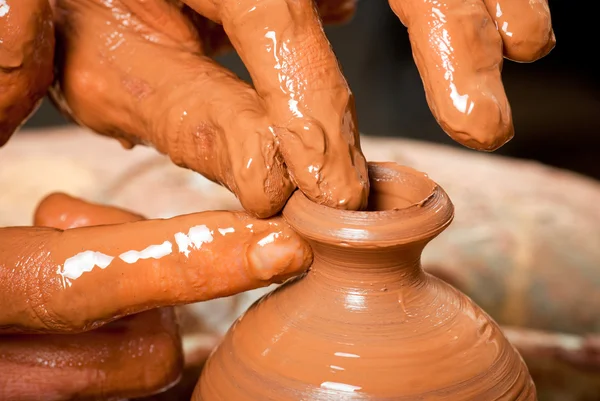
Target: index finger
pixel 78 279
pixel 296 73
pixel 26 57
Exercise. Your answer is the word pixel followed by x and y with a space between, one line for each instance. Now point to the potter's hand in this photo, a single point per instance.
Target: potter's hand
pixel 140 71
pixel 102 363
pixel 458 46
pixel 77 279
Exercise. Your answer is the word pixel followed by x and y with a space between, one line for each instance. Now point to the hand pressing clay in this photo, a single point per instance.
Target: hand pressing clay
pixel 366 322
pixel 297 125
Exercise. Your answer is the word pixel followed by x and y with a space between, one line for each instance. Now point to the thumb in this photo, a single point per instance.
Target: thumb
pixel 82 278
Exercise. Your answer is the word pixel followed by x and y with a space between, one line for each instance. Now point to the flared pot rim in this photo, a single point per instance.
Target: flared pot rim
pixel 407 205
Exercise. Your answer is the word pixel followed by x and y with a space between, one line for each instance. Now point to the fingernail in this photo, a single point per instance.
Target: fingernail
pixel 278 255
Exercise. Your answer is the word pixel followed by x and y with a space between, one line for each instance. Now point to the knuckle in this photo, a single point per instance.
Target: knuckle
pixel 79 91
pixel 261 179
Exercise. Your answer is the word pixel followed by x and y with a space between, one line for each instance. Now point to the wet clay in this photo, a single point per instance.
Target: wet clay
pixel 366 322
pixel 155 263
pixel 296 126
pixel 134 356
pixel 26 57
pixel 458 47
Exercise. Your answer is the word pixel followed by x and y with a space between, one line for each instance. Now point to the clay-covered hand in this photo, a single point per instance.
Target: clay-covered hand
pixel 458 46
pixel 141 71
pixel 80 278
pixel 103 363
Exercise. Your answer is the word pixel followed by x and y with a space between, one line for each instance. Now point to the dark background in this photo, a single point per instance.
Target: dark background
pixel 555 101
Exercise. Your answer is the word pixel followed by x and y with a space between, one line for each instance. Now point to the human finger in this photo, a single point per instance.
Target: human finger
pixel 78 279
pixel 132 357
pixel 186 106
pixel 458 52
pixel 296 73
pixel 59 210
pixel 525 27
pixel 26 53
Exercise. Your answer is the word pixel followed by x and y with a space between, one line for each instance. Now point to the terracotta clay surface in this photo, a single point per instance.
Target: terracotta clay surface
pixel 366 322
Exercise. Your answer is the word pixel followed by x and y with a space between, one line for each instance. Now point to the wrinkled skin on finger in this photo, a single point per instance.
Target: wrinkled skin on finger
pixel 141 72
pixel 26 56
pixel 135 356
pixel 78 279
pixel 458 47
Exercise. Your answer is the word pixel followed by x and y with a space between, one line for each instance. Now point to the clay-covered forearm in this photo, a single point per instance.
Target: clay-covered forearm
pixel 297 128
pixel 78 279
pixel 26 56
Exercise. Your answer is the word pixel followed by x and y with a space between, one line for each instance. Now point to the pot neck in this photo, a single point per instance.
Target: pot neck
pixel 406 211
pixel 370 268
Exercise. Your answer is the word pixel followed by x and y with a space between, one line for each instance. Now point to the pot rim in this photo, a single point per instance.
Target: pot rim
pixel 426 213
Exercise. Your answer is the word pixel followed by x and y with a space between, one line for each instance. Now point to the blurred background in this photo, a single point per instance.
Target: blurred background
pixel 555 101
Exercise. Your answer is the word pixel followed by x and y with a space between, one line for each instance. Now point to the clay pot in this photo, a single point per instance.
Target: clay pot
pixel 366 322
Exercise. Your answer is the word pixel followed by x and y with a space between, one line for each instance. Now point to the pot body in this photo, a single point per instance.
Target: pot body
pixel 366 322
pixel 383 340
